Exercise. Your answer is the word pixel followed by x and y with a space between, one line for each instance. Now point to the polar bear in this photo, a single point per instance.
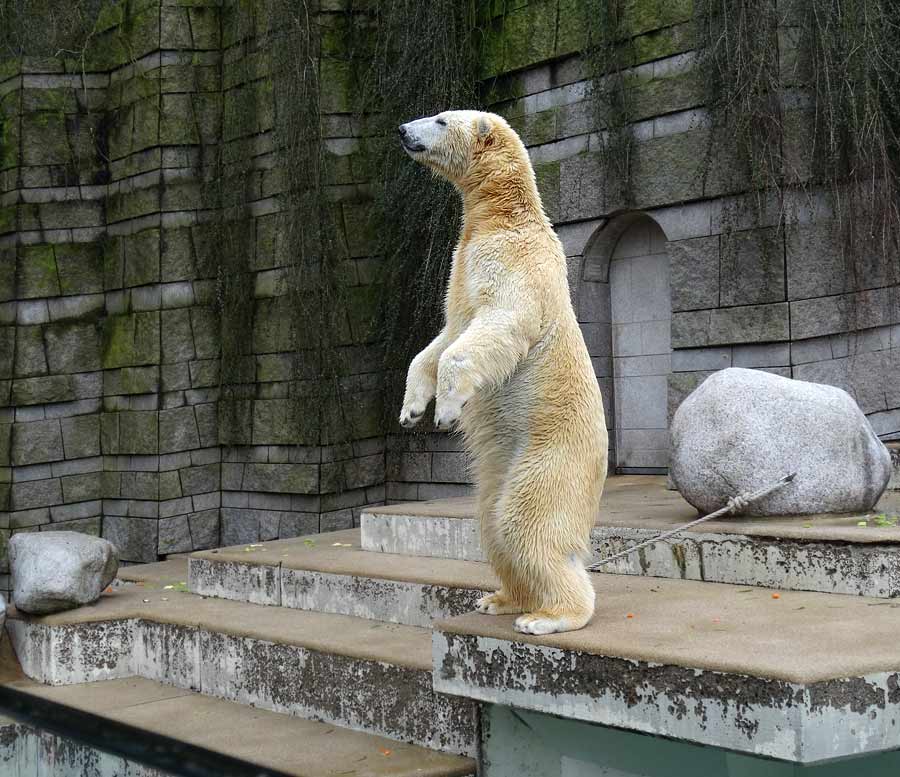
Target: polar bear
pixel 511 368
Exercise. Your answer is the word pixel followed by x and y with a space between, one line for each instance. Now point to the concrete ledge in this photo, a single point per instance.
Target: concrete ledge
pixel 301 748
pixel 803 678
pixel 330 573
pixel 367 676
pixel 830 554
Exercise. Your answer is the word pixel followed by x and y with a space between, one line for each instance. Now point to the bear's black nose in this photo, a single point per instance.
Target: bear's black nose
pixel 402 130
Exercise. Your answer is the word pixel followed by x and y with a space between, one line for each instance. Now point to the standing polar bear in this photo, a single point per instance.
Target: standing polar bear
pixel 511 368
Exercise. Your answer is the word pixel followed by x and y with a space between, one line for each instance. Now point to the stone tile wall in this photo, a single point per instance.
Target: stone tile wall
pixel 109 338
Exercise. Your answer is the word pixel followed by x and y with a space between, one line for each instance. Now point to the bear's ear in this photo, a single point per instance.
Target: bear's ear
pixel 484 126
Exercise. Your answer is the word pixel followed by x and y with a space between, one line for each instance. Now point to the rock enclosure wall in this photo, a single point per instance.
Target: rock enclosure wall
pixel 110 335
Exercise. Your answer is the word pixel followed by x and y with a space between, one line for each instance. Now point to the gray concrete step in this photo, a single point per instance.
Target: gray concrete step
pixel 803 677
pixel 365 675
pixel 302 748
pixel 331 573
pixel 850 554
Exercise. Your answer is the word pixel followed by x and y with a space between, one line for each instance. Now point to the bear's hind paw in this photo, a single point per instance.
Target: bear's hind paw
pixel 544 623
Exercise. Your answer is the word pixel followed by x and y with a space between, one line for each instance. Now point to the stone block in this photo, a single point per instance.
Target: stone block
pixel 205 329
pixel 178 430
pixel 36 274
pixel 36 442
pixel 176 255
pixel 80 268
pixel 72 347
pixel 816 266
pixel 239 527
pixel 695 359
pixel 449 468
pixel 200 480
pixel 761 355
pixel 204 528
pixel 83 487
pixel 175 535
pixel 274 422
pixel 724 326
pixel 81 436
pixel 139 485
pixel 751 267
pixel 76 511
pixel 136 539
pixel 42 390
pixel 138 432
pixel 30 358
pixel 131 339
pixel 83 306
pixel 232 475
pixel 30 494
pixel 284 478
pixel 29 519
pixel 694 268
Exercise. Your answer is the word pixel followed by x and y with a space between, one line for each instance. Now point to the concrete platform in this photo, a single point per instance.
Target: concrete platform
pixel 331 573
pixel 803 677
pixel 297 747
pixel 364 675
pixel 831 554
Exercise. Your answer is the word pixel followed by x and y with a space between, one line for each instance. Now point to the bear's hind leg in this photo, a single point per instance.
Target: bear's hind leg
pixel 566 600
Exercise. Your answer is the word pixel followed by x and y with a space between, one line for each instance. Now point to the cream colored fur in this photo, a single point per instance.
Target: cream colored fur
pixel 510 367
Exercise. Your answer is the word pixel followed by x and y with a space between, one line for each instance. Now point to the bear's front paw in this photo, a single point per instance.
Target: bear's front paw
pixel 447 411
pixel 412 413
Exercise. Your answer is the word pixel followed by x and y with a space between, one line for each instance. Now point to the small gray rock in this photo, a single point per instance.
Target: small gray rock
pixel 54 571
pixel 741 430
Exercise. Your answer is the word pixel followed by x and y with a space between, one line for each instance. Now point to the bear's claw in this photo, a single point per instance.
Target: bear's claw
pixel 409 417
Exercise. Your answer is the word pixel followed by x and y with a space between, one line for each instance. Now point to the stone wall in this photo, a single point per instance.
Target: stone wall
pixel 110 341
pixel 110 346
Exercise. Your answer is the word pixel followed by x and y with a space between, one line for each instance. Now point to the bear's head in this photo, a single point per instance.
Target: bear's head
pixel 465 146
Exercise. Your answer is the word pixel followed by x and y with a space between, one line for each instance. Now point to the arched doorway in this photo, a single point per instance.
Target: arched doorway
pixel 624 308
pixel 641 318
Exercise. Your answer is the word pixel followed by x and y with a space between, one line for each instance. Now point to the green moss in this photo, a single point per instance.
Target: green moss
pixel 537 128
pixel 131 339
pixel 36 272
pixel 548 178
pixel 522 37
pixel 642 16
pixel 660 44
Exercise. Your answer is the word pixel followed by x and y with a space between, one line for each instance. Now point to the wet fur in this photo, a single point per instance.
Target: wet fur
pixel 511 368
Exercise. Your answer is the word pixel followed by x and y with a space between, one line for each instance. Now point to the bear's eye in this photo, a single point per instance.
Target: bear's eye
pixel 442 122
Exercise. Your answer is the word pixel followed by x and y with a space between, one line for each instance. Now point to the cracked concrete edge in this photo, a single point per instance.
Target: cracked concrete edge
pixel 418 535
pixel 410 603
pixel 405 602
pixel 28 751
pixel 364 695
pixel 244 582
pixel 772 718
pixel 824 566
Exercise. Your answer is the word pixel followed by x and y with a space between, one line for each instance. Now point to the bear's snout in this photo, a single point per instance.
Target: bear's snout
pixel 402 130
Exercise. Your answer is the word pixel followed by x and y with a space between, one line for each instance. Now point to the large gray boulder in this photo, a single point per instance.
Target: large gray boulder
pixel 741 430
pixel 2 615
pixel 54 571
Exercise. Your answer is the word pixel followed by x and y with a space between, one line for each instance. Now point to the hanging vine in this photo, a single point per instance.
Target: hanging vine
pixel 46 28
pixel 423 59
pixel 608 55
pixel 850 61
